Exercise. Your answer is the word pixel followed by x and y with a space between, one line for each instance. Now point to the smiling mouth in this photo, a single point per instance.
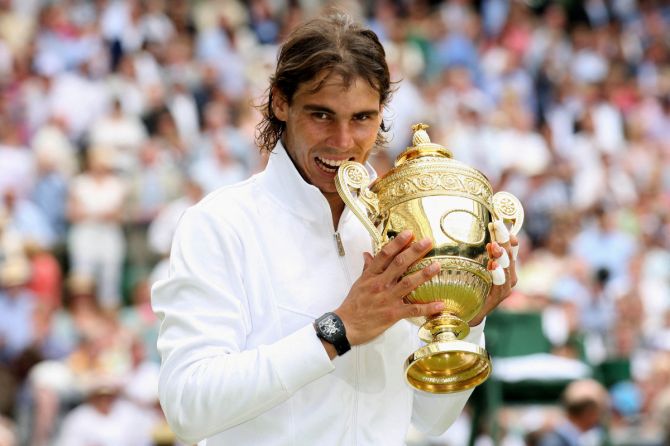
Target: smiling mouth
pixel 329 165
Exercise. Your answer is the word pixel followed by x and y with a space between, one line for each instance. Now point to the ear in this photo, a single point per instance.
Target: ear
pixel 279 105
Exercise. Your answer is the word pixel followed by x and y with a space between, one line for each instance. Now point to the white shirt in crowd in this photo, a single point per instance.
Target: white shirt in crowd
pixel 125 424
pixel 252 266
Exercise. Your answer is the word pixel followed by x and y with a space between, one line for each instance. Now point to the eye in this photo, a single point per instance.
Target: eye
pixel 364 117
pixel 320 116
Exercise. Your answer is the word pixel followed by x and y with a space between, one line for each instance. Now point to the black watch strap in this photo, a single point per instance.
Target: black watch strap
pixel 330 328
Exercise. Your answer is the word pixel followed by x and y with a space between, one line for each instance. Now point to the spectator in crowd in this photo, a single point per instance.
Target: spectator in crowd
pixel 104 418
pixel 17 307
pixel 120 132
pixel 50 196
pixel 95 209
pixel 585 403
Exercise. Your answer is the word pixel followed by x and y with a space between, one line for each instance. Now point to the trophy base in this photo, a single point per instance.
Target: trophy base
pixel 446 367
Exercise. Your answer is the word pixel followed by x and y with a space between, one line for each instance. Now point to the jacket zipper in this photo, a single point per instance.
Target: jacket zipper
pixel 340 249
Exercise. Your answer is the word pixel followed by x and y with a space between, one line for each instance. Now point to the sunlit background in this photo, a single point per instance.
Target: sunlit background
pixel 116 115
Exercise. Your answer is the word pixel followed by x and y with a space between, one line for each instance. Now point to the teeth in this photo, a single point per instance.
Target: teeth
pixel 331 163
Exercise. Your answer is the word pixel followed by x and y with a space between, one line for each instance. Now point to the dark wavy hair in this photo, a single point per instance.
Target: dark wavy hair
pixel 335 44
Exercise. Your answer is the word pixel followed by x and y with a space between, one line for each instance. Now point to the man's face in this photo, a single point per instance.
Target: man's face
pixel 324 128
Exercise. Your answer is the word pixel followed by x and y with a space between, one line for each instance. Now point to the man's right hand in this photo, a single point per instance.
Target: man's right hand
pixel 375 301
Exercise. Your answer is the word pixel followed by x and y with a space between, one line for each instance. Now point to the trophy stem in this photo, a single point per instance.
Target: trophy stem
pixel 445 336
pixel 443 327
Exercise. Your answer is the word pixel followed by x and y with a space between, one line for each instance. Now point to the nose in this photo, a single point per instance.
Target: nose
pixel 341 135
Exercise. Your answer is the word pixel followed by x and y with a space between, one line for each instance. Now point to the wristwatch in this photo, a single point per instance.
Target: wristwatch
pixel 330 328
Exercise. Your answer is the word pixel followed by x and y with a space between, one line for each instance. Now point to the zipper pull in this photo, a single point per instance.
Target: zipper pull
pixel 340 246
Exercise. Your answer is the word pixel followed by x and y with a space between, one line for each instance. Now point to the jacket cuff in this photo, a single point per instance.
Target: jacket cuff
pixel 300 358
pixel 476 334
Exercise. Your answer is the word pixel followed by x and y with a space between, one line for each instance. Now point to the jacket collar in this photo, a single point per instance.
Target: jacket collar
pixel 284 184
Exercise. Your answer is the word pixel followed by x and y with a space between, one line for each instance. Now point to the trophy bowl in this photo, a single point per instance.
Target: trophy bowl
pixel 437 197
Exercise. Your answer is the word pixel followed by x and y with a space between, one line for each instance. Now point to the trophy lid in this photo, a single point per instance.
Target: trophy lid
pixel 422 146
pixel 426 169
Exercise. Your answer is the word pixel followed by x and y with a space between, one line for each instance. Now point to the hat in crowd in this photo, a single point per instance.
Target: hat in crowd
pixel 99 384
pixel 78 283
pixel 584 390
pixel 14 272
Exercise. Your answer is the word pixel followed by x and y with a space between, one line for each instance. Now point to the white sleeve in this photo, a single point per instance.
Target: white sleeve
pixel 209 381
pixel 434 413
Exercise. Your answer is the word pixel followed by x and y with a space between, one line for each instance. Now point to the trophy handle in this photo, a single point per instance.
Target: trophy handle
pixel 353 176
pixel 508 208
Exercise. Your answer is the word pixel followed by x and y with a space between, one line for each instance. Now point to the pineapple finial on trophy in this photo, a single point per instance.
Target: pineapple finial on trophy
pixel 420 135
pixel 422 146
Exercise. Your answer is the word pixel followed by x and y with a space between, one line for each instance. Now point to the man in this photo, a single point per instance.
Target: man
pixel 255 264
pixel 585 403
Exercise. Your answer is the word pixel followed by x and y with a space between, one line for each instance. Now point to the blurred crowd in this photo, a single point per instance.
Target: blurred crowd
pixel 116 115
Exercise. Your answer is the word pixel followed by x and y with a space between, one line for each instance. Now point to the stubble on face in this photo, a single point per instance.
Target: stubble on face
pixel 329 122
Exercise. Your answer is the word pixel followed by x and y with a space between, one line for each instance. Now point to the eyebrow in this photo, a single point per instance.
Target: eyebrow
pixel 324 109
pixel 318 108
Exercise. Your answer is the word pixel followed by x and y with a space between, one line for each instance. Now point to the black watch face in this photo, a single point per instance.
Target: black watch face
pixel 329 327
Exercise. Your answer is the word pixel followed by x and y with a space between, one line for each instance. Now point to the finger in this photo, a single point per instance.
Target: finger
pixel 489 249
pixel 512 268
pixel 500 232
pixel 503 287
pixel 386 255
pixel 513 250
pixel 367 260
pixel 494 250
pixel 515 246
pixel 418 310
pixel 411 281
pixel 406 258
pixel 503 259
pixel 497 274
pixel 504 239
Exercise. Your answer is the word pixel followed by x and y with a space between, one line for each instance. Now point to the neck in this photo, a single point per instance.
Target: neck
pixel 336 207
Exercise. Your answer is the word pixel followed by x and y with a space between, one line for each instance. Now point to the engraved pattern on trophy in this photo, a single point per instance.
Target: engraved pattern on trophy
pixel 462 285
pixel 354 176
pixel 437 197
pixel 509 208
pixel 406 185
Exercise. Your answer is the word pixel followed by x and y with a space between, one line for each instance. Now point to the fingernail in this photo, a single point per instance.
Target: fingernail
pixel 438 306
pixel 498 276
pixel 501 231
pixel 515 251
pixel 434 268
pixel 404 235
pixel 503 260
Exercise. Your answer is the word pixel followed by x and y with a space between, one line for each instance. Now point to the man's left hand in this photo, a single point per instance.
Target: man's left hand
pixel 499 292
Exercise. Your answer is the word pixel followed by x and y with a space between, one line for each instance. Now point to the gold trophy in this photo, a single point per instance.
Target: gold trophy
pixel 451 203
